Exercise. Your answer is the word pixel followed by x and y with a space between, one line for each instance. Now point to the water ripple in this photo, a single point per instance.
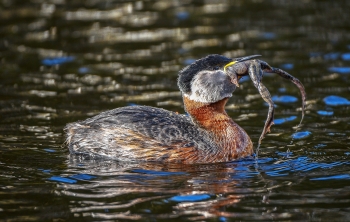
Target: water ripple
pixel 62 179
pixel 333 177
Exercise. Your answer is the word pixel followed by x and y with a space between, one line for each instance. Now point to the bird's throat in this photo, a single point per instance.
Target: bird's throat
pixel 207 115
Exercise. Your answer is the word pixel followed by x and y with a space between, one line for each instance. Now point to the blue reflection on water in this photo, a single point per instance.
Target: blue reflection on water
pixel 325 113
pixel 57 60
pixel 287 66
pixel 280 167
pixel 336 101
pixel 341 70
pixel 301 135
pixel 82 177
pixel 245 174
pixel 333 177
pixel 282 90
pixel 182 15
pixel 72 179
pixel 222 219
pixel 283 120
pixel 62 179
pixel 244 169
pixel 190 198
pixel 337 55
pixel 300 164
pixel 268 35
pixel 346 56
pixel 83 70
pixel 331 56
pixel 50 150
pixel 284 99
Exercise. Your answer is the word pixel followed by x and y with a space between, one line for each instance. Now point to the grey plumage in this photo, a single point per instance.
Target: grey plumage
pixel 166 127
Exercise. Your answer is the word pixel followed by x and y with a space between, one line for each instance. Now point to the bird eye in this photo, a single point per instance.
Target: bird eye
pixel 216 67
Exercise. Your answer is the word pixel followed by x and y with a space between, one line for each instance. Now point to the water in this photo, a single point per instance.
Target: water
pixel 64 61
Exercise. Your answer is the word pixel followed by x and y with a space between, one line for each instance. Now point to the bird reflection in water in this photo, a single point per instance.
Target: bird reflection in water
pixel 207 189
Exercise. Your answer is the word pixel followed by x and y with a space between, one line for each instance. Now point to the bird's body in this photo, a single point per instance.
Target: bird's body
pixel 143 133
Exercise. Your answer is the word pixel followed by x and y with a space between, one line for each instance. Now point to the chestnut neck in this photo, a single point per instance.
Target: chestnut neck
pixel 231 140
pixel 207 115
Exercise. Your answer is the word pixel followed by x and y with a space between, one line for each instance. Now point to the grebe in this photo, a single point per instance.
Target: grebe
pixel 207 135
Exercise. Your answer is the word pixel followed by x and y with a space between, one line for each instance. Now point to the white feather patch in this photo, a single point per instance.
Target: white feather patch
pixel 210 87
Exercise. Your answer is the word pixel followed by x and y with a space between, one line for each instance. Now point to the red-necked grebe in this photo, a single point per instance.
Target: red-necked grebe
pixel 207 135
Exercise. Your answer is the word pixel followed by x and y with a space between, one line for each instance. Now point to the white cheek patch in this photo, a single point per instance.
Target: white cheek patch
pixel 211 86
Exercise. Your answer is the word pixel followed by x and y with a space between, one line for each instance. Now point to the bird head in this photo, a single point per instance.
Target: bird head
pixel 206 79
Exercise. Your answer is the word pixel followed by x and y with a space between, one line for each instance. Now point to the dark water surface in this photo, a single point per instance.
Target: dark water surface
pixel 63 61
